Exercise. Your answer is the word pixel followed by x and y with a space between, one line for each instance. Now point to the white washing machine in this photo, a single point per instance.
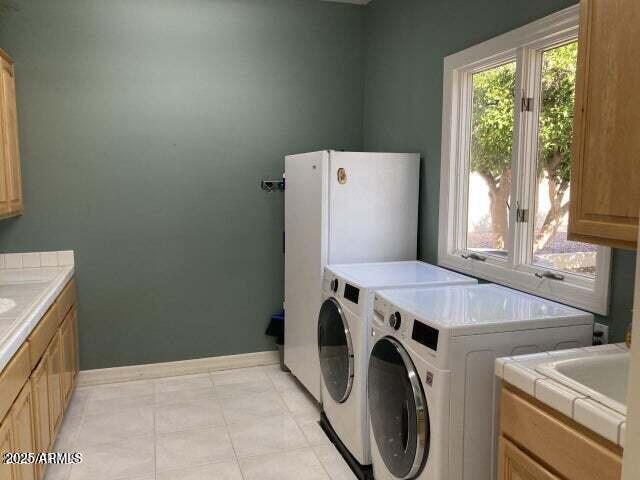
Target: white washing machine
pixel 432 392
pixel 343 335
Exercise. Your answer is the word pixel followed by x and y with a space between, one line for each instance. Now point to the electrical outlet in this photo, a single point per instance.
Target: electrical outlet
pixel 600 334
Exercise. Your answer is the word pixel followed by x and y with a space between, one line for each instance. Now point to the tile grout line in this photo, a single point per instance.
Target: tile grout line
pixel 309 445
pixel 155 431
pixel 75 440
pixel 313 450
pixel 195 428
pixel 226 428
pixel 287 411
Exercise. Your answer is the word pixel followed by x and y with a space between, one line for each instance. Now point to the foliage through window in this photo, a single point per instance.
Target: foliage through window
pixel 550 246
pixel 492 121
pixel 506 182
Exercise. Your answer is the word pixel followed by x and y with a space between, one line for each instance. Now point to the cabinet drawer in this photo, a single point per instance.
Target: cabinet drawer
pixel 514 464
pixel 67 298
pixel 13 377
pixel 43 333
pixel 574 454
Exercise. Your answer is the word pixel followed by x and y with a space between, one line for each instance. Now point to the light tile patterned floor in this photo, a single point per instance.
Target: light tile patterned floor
pixel 252 424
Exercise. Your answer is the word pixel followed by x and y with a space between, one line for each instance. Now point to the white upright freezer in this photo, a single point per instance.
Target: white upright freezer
pixel 340 207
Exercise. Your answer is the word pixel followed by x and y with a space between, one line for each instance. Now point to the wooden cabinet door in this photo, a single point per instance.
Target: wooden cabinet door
pixel 514 464
pixel 76 345
pixel 5 182
pixel 40 391
pixel 68 355
pixel 7 472
pixel 54 384
pixel 605 167
pixel 22 430
pixel 10 145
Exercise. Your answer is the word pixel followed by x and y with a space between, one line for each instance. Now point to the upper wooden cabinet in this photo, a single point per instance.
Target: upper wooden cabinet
pixel 10 177
pixel 605 169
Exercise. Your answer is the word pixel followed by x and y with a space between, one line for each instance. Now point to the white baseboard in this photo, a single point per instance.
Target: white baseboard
pixel 171 369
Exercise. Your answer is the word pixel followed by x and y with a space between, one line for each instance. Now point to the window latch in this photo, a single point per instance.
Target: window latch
pixel 527 104
pixel 522 215
pixel 474 256
pixel 550 275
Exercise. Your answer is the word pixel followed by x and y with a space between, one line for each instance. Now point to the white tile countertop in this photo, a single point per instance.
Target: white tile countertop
pixel 520 371
pixel 29 284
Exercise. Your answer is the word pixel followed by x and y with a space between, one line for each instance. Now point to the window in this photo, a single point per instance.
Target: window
pixel 506 158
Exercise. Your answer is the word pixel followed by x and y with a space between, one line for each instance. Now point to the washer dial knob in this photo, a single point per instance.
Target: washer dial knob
pixel 334 285
pixel 395 320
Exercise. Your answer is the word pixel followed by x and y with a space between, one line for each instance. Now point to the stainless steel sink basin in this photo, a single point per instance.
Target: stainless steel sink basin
pixel 603 378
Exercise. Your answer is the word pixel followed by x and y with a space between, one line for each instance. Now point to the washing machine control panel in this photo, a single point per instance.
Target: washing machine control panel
pixel 380 308
pixel 395 320
pixel 425 335
pixel 351 293
pixel 390 317
pixel 402 324
pixel 327 282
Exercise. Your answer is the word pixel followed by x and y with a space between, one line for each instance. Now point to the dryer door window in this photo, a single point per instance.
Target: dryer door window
pixel 399 413
pixel 336 350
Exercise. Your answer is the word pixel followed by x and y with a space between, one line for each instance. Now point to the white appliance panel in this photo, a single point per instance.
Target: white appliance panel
pixel 398 275
pixel 465 341
pixel 374 214
pixel 475 391
pixel 305 257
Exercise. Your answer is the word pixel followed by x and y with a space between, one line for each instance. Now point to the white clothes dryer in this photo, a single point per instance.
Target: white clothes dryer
pixel 344 324
pixel 432 392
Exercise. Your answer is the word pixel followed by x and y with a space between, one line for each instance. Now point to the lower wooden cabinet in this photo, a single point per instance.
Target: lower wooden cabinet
pixel 7 472
pixel 69 349
pixel 36 386
pixel 40 390
pixel 539 443
pixel 54 384
pixel 517 465
pixel 17 435
pixel 23 431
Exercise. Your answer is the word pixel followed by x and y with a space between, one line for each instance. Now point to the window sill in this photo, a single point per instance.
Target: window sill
pixel 576 291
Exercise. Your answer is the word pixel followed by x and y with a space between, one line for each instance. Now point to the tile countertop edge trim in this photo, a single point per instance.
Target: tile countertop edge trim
pixel 31 317
pixel 519 371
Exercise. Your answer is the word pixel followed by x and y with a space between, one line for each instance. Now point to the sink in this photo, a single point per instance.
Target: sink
pixel 603 378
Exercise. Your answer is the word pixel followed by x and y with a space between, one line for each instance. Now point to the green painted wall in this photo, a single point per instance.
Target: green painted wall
pixel 145 129
pixel 405 44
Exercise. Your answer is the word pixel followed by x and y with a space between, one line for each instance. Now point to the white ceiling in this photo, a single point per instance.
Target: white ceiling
pixel 357 2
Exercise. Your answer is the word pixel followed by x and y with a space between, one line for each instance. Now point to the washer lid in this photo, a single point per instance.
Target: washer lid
pixel 397 274
pixel 398 408
pixel 478 309
pixel 336 350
